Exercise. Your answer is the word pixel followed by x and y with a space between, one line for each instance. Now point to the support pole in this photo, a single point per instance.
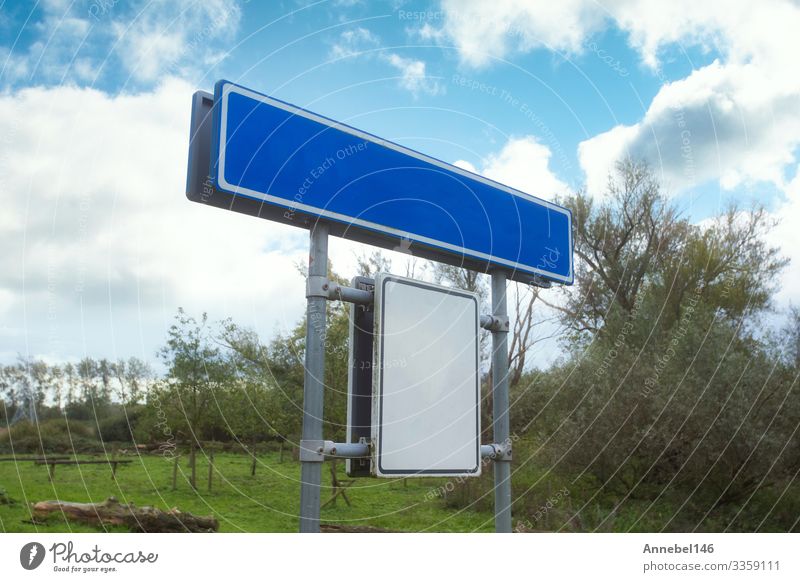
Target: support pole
pixel 314 384
pixel 502 466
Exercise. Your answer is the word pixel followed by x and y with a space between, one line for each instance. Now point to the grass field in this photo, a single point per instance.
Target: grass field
pixel 267 502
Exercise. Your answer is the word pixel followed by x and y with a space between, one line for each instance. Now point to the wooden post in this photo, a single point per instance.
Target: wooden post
pixel 210 470
pixel 193 463
pixel 175 473
pixel 334 485
pixel 253 453
pixel 338 487
pixel 52 471
pixel 113 470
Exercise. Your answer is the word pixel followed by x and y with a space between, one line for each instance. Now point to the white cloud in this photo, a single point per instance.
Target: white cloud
pixel 360 41
pixel 77 41
pixel 427 32
pixel 786 236
pixel 598 155
pixel 484 32
pixel 736 120
pixel 739 28
pixel 522 163
pixel 60 35
pixel 353 42
pixel 100 245
pixel 413 76
pixel 714 124
pixel 172 37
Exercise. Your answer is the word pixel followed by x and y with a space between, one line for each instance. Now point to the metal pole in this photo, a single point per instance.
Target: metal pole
pixel 502 467
pixel 313 384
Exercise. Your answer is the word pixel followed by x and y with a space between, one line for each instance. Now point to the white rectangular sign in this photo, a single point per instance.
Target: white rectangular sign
pixel 426 388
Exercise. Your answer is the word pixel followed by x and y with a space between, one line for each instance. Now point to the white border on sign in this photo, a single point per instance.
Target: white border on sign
pixel 240 190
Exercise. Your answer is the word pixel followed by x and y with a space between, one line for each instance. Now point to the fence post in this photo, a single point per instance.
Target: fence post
pixel 210 470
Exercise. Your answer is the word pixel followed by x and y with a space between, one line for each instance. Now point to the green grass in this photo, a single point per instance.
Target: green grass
pixel 267 502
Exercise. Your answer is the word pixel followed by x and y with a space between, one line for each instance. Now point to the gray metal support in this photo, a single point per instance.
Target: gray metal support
pixel 318 286
pixel 314 383
pixel 496 451
pixel 346 450
pixel 502 466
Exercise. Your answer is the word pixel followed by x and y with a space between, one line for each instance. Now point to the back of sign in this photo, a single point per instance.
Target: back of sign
pixel 426 388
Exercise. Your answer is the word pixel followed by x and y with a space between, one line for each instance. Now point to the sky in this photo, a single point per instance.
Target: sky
pixel 100 246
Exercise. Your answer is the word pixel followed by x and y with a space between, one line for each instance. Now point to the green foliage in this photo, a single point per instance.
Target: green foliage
pixel 50 436
pixel 266 400
pixel 197 372
pixel 120 425
pixel 668 392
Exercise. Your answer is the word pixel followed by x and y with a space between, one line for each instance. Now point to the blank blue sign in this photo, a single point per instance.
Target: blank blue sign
pixel 302 163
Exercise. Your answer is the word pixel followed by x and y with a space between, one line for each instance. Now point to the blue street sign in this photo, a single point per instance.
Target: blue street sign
pixel 272 159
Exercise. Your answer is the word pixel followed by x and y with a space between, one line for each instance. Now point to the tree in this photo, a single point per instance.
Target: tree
pixel 635 239
pixel 670 384
pixel 372 264
pixel 790 339
pixel 196 373
pixel 95 389
pixel 133 377
pixel 617 243
pixel 257 404
pixel 528 327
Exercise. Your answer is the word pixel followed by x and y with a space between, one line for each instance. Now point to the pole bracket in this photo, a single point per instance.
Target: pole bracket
pixel 495 323
pixel 539 281
pixel 497 452
pixel 319 286
pixel 316 451
pixel 359 450
pixel 312 451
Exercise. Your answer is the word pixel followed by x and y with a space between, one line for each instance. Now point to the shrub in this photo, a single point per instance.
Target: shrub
pixel 120 427
pixel 50 436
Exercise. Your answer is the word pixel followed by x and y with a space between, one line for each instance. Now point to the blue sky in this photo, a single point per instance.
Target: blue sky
pixel 101 246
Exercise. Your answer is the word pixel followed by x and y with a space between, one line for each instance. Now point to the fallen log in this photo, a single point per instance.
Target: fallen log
pixel 146 519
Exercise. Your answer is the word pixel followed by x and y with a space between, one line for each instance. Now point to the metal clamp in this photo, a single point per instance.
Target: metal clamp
pixel 539 281
pixel 312 451
pixel 350 294
pixel 346 450
pixel 497 452
pixel 495 322
pixel 315 451
pixel 317 286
